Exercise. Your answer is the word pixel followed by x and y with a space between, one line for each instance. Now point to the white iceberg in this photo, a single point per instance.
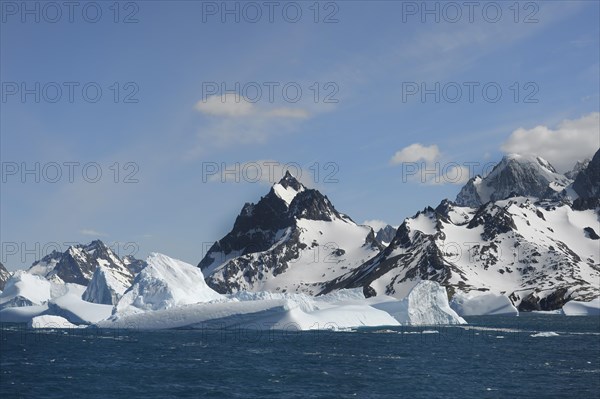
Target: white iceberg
pixel 426 304
pixel 482 304
pixel 165 283
pixel 22 314
pixel 107 285
pixel 78 311
pixel 261 314
pixel 24 289
pixel 50 322
pixel 577 308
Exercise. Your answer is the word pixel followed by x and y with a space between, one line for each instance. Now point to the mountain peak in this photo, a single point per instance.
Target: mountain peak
pixel 288 187
pixel 515 175
pixel 289 180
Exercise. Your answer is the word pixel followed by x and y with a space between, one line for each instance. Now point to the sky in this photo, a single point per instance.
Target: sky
pixel 149 124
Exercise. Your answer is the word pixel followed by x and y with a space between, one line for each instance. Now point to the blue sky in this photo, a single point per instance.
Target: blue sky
pixel 375 131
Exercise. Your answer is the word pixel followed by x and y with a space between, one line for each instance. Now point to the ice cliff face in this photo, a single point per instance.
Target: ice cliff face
pixel 108 284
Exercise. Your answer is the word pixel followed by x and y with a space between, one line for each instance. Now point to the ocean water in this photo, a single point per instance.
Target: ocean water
pixel 530 356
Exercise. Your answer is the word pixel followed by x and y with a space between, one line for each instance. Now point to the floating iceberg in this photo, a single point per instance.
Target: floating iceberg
pixel 482 304
pixel 426 304
pixel 78 311
pixel 165 283
pixel 577 308
pixel 107 285
pixel 50 322
pixel 24 289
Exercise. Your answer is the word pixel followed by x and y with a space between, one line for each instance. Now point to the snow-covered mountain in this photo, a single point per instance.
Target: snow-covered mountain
pixel 79 262
pixel 292 240
pixel 538 256
pixel 539 253
pixel 587 182
pixel 385 235
pixel 515 175
pixel 4 276
pixel 579 166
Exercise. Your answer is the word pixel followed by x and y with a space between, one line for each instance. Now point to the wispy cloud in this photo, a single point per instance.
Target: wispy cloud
pixel 424 164
pixel 233 120
pixel 91 232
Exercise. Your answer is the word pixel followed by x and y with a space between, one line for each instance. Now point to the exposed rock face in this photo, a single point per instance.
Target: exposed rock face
pixel 292 240
pixel 134 265
pixel 77 264
pixel 579 166
pixel 515 175
pixel 385 235
pixel 4 276
pixel 587 183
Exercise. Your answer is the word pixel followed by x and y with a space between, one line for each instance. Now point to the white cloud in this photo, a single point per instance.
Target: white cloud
pixel 416 152
pixel 230 105
pixel 376 224
pixel 572 140
pixel 424 164
pixel 91 232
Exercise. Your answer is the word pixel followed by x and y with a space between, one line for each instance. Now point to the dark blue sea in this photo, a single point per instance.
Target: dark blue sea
pixel 492 357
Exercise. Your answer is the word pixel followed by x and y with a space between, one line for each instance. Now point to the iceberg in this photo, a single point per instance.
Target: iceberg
pixel 482 305
pixel 50 322
pixel 24 289
pixel 21 314
pixel 78 311
pixel 165 283
pixel 260 314
pixel 426 304
pixel 578 308
pixel 107 286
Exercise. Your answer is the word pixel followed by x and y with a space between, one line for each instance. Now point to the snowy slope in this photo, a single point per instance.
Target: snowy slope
pixel 292 240
pixel 538 255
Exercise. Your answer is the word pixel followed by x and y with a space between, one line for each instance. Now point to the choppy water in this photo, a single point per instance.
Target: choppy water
pixel 493 357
